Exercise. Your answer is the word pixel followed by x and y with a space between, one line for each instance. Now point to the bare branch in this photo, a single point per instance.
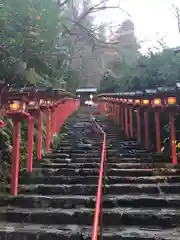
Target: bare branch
pixel 103 8
pixel 92 36
pixel 176 12
pixel 98 7
pixel 62 4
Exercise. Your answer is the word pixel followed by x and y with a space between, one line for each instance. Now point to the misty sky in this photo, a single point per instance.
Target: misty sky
pixel 153 19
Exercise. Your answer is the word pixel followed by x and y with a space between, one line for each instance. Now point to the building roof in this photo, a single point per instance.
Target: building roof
pixel 79 90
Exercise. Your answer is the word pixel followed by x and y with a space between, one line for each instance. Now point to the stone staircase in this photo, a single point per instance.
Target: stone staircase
pixel 57 201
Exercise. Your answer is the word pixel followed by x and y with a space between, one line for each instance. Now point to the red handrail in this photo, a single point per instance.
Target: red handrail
pixel 99 190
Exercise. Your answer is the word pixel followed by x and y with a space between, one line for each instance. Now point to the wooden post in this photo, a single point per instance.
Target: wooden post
pixel 15 156
pixel 30 143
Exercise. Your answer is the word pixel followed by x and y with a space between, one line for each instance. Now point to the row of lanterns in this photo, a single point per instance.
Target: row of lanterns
pixel 21 106
pixel 156 102
pixel 30 103
pixel 121 109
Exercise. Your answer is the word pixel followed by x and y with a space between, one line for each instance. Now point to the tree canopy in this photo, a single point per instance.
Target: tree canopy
pixel 30 35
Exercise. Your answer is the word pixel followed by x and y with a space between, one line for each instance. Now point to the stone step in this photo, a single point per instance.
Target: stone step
pixel 94 179
pixel 126 154
pixel 70 164
pixel 138 159
pixel 24 231
pixel 110 159
pixel 89 155
pixel 96 152
pixel 76 201
pixel 76 149
pixel 74 189
pixel 57 200
pixel 84 216
pixel 79 151
pixel 66 171
pixel 142 172
pixel 110 172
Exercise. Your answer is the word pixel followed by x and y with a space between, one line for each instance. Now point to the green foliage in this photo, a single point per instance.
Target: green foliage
pixel 100 117
pixel 159 69
pixel 150 71
pixel 29 39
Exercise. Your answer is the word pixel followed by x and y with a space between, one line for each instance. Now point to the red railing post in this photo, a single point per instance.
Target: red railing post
pixel 107 109
pixel 122 118
pixel 98 208
pixel 39 141
pixel 115 112
pixel 126 122
pixel 100 108
pixel 76 104
pixel 47 130
pixel 58 118
pixel 111 110
pixel 52 121
pixel 54 126
pixel 61 115
pixel 30 143
pixel 158 137
pixel 64 113
pixel 131 122
pixel 2 124
pixel 173 137
pixel 15 156
pixel 111 107
pixel 138 125
pixel 118 114
pixel 146 129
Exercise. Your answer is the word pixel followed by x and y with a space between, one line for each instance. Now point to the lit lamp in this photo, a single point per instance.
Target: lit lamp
pixel 17 106
pixel 49 103
pixel 32 105
pixel 91 97
pixel 41 102
pixel 157 102
pixel 171 101
pixel 56 103
pixel 145 102
pixel 130 101
pixel 137 102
